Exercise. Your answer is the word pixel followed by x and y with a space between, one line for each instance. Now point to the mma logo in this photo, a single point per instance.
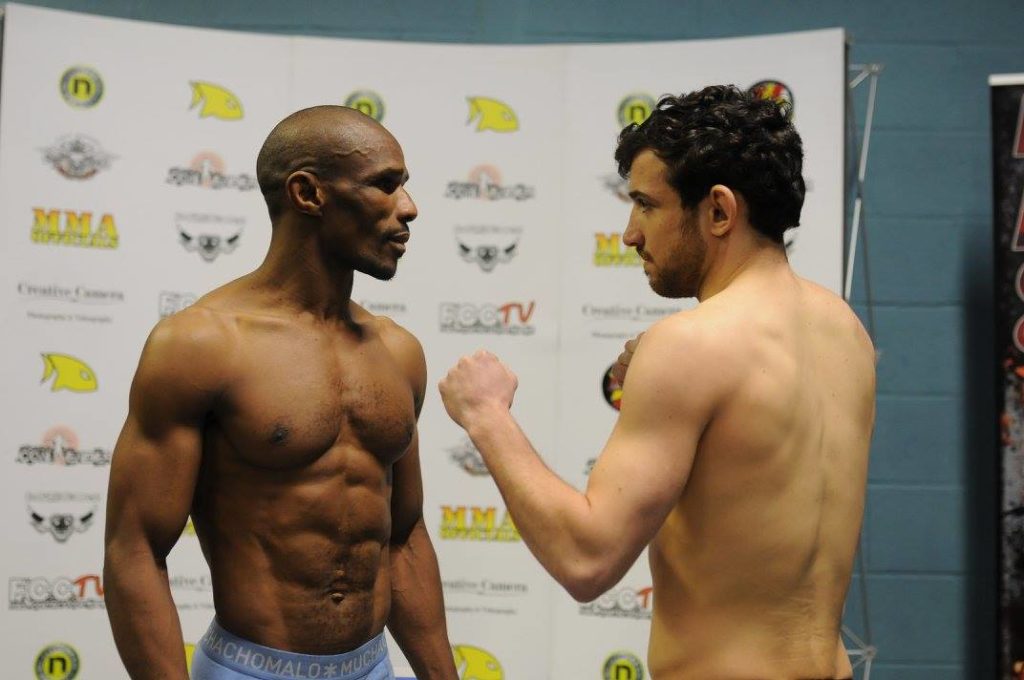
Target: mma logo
pixel 777 92
pixel 623 666
pixel 466 456
pixel 217 101
pixel 612 389
pixel 172 302
pixel 81 87
pixel 511 318
pixel 462 523
pixel 487 247
pixel 57 661
pixel 367 102
pixel 635 108
pixel 36 593
pixel 61 514
pixel 491 114
pixel 77 156
pixel 208 235
pixel 474 663
pixel 484 183
pixel 207 170
pixel 76 229
pixel 60 447
pixel 72 374
pixel 609 251
pixel 623 602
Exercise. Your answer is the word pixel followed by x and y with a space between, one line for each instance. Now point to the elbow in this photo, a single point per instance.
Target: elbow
pixel 588 582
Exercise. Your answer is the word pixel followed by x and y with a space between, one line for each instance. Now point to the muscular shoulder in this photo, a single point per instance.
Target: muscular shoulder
pixel 189 352
pixel 680 361
pixel 406 350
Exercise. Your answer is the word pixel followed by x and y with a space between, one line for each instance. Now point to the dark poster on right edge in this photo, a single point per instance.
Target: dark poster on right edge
pixel 1008 184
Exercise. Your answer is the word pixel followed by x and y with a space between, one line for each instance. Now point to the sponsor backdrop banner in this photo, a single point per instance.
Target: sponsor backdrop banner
pixel 127 190
pixel 1008 182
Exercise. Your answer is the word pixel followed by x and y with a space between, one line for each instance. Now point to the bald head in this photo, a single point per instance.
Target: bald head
pixel 322 140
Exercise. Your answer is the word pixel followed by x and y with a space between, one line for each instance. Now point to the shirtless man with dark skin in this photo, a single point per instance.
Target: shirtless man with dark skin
pixel 740 453
pixel 282 417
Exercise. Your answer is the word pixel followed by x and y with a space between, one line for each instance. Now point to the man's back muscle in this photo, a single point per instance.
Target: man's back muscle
pixel 752 566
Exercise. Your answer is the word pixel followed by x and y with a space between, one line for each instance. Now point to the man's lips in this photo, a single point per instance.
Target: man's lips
pixel 399 237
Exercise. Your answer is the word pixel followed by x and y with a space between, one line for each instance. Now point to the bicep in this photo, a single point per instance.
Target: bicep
pixel 158 453
pixel 406 493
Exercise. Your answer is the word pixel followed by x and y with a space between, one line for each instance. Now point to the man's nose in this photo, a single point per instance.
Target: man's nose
pixel 632 235
pixel 407 210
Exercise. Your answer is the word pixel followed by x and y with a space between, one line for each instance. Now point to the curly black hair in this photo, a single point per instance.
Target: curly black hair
pixel 722 135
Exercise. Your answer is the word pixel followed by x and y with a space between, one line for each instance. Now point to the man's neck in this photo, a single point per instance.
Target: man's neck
pixel 296 272
pixel 734 260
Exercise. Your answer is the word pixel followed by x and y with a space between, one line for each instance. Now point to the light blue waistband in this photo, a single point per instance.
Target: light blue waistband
pixel 273 664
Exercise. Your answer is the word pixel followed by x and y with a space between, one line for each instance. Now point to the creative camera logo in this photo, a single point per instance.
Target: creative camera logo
pixel 34 593
pixel 485 588
pixel 62 514
pixel 78 294
pixel 491 114
pixel 612 389
pixel 609 251
pixel 76 229
pixel 217 101
pixel 208 235
pixel 472 523
pixel 60 446
pixel 635 108
pixel 367 102
pixel 623 666
pixel 207 170
pixel 57 661
pixel 511 318
pixel 173 302
pixel 77 156
pixel 81 87
pixel 474 663
pixel 487 246
pixel 623 602
pixel 466 456
pixel 72 374
pixel 484 183
pixel 382 308
pixel 777 92
pixel 192 591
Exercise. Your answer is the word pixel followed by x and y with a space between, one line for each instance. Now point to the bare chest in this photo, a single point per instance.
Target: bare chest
pixel 296 402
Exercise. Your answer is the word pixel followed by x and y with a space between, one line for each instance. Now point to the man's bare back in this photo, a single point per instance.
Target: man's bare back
pixel 752 565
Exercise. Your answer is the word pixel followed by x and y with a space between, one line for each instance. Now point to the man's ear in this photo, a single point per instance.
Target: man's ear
pixel 304 192
pixel 723 209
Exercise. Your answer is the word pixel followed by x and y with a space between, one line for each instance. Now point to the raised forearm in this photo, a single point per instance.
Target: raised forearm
pixel 143 616
pixel 553 518
pixel 417 619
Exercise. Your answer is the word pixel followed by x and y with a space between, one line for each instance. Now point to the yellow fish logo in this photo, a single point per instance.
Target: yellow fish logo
pixel 493 115
pixel 72 374
pixel 218 101
pixel 474 663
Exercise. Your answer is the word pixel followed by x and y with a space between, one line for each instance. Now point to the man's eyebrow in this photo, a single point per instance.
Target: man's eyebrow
pixel 400 175
pixel 635 194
